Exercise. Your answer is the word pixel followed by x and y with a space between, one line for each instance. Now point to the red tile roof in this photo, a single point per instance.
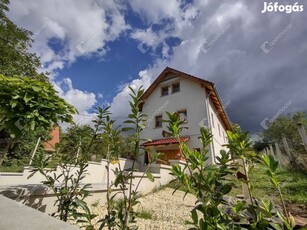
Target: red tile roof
pixel 165 141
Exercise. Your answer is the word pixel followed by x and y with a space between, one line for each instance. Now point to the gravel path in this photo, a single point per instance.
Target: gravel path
pixel 169 211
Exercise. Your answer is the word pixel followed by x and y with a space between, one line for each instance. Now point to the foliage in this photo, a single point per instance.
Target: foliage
pixel 85 217
pixel 261 145
pixel 210 183
pixel 144 214
pixel 76 140
pixel 287 126
pixel 67 185
pixel 28 103
pixel 293 184
pixel 79 136
pixel 272 164
pixel 20 153
pixel 120 213
pixel 15 58
pixel 206 182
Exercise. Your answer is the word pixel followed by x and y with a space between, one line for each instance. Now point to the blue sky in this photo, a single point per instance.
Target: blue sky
pixel 120 66
pixel 95 49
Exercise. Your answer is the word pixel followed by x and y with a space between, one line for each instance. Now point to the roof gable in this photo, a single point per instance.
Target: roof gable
pixel 168 73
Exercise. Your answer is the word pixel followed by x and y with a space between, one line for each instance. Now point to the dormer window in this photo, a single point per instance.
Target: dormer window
pixel 164 91
pixel 176 87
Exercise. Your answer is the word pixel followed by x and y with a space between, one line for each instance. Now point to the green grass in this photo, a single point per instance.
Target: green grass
pixel 19 168
pixel 293 185
pixel 14 168
pixel 144 214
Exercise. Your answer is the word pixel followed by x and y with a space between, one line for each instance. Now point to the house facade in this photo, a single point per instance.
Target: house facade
pixel 198 104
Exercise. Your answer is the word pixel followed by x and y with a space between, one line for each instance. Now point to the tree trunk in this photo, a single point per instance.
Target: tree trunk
pixel 3 154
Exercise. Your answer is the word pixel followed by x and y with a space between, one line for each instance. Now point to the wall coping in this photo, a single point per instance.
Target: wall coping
pixel 140 174
pixel 11 174
pixel 177 162
pixel 120 158
pixel 94 162
pixel 162 166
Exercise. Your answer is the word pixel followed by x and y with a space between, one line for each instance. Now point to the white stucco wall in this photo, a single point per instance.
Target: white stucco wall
pixel 218 130
pixel 192 97
pixel 31 191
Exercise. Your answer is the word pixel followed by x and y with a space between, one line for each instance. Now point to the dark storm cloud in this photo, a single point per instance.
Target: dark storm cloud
pixel 255 84
pixel 260 84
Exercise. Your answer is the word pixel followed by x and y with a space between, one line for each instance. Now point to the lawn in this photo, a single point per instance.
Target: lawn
pixel 293 186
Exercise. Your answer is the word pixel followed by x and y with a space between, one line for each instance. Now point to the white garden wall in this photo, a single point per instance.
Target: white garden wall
pixel 32 192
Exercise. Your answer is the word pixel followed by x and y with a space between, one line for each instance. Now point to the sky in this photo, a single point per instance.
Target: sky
pixel 95 49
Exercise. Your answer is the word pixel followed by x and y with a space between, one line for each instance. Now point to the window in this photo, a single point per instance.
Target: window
pixel 183 115
pixel 158 122
pixel 164 91
pixel 212 120
pixel 218 125
pixel 175 87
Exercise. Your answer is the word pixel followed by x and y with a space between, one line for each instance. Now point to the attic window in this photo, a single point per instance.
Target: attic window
pixel 176 87
pixel 164 91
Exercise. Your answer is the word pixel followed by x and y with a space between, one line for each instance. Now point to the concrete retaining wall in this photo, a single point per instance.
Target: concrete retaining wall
pixel 31 191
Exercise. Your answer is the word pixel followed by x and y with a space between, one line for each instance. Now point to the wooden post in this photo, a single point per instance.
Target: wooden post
pixel 244 186
pixel 271 149
pixel 285 144
pixel 35 149
pixel 279 155
pixel 303 135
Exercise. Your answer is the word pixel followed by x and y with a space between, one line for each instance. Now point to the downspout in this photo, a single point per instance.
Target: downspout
pixel 210 123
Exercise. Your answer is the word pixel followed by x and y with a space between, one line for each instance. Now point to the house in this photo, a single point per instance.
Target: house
pixel 198 104
pixel 49 146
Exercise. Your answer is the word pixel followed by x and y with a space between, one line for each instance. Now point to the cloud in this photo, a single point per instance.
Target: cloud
pixel 120 103
pixel 82 100
pixel 82 28
pixel 258 84
pixel 100 95
pixel 226 42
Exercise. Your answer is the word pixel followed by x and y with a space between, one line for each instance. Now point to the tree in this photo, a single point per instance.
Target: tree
pixel 15 59
pixel 261 145
pixel 20 153
pixel 286 126
pixel 27 104
pixel 76 139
